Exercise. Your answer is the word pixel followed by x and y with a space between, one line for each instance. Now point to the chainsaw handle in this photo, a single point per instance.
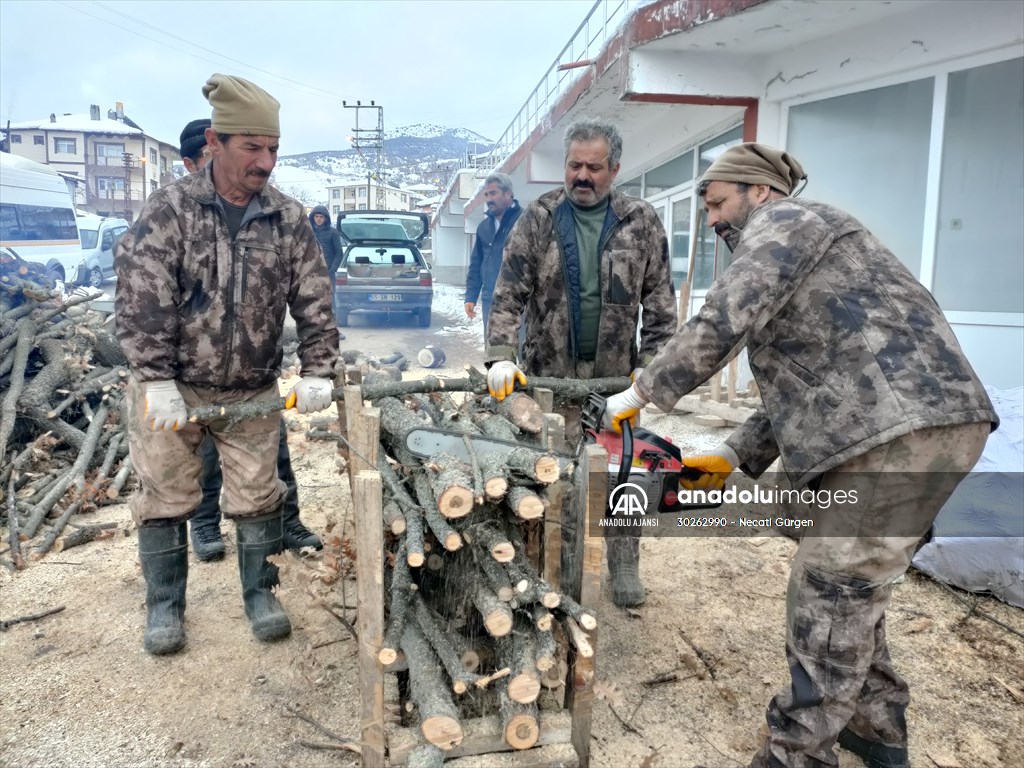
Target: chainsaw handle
pixel 626 460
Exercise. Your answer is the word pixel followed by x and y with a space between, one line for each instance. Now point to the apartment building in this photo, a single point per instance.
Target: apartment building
pixel 359 195
pixel 119 165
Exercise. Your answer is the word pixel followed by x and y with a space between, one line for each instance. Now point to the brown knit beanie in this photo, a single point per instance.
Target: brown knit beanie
pixel 241 107
pixel 752 163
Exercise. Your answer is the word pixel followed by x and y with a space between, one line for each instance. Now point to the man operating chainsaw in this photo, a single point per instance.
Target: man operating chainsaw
pixel 586 263
pixel 864 388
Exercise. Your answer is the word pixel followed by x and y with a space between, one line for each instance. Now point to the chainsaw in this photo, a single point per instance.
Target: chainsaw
pixel 641 459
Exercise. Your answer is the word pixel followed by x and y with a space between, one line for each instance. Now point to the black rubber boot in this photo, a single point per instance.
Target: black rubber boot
pixel 258 538
pixel 624 567
pixel 163 554
pixel 873 754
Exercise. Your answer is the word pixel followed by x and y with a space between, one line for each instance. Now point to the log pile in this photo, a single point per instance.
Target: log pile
pixel 471 621
pixel 62 447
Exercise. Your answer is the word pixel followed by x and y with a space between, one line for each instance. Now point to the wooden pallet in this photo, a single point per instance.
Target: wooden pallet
pixel 564 734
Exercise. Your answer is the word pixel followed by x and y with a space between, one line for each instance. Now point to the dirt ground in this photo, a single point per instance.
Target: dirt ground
pixel 77 689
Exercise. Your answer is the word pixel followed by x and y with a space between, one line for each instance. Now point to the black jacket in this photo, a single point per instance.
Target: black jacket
pixel 329 239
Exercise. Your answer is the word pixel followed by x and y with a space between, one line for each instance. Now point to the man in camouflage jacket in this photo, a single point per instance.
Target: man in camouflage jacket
pixel 204 279
pixel 586 263
pixel 865 390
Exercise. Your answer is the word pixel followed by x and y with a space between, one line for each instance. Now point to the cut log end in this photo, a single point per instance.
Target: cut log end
pixel 415 559
pixel 503 552
pixel 530 507
pixel 522 731
pixel 544 622
pixel 452 541
pixel 398 526
pixel 470 660
pixel 498 623
pixel 552 600
pixel 546 469
pixel 545 663
pixel 443 731
pixel 455 502
pixel 387 656
pixel 524 688
pixel 495 488
pixel 588 621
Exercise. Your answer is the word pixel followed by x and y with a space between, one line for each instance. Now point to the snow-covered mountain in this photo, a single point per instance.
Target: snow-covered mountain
pixel 424 153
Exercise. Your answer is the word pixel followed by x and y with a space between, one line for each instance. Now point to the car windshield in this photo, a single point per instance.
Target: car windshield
pixel 408 227
pixel 379 256
pixel 88 237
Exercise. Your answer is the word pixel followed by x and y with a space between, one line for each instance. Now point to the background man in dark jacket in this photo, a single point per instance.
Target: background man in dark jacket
pixel 865 391
pixel 328 237
pixel 207 542
pixel 485 262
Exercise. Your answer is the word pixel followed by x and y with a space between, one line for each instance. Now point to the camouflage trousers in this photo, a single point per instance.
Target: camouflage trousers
pixel 841 673
pixel 169 466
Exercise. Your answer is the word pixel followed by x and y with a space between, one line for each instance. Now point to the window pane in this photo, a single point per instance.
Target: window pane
pixel 671 174
pixel 867 153
pixel 631 187
pixel 679 238
pixel 978 264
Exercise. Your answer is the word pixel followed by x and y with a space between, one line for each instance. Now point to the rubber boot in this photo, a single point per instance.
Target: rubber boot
pixel 873 754
pixel 163 554
pixel 624 567
pixel 296 535
pixel 258 538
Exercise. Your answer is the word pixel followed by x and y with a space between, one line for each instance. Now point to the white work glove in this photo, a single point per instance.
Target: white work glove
pixel 622 407
pixel 165 408
pixel 635 374
pixel 502 378
pixel 311 394
pixel 716 465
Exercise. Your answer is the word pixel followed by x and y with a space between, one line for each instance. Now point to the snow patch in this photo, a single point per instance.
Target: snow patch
pixel 449 302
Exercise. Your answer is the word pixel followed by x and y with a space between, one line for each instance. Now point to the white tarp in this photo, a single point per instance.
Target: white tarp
pixel 988 501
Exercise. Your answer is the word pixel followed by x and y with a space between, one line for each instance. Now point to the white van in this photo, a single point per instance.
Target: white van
pixel 37 218
pixel 98 236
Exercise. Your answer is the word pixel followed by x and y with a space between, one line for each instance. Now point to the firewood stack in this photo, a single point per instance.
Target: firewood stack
pixel 470 618
pixel 62 447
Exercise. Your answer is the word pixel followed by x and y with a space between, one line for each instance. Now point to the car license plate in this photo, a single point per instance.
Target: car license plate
pixel 385 297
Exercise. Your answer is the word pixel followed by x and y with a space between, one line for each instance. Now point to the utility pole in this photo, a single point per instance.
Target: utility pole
pixel 370 139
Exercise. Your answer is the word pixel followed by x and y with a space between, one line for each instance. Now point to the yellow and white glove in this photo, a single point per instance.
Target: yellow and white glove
pixel 621 407
pixel 165 408
pixel 311 394
pixel 502 377
pixel 715 465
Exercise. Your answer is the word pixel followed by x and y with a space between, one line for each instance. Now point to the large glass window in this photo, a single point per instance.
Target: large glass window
pixel 109 154
pixel 36 222
pixel 980 238
pixel 632 187
pixel 679 237
pixel 677 171
pixel 867 153
pixel 709 248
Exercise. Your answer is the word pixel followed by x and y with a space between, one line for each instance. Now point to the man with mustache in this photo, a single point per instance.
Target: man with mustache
pixel 585 263
pixel 207 542
pixel 866 392
pixel 484 263
pixel 204 279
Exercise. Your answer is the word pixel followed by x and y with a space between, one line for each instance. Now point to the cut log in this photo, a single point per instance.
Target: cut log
pixel 400 595
pixel 574 610
pixel 525 503
pixel 555 677
pixel 490 536
pixel 415 547
pixel 527 462
pixel 84 535
pixel 518 651
pixel 393 518
pixel 520 722
pixel 546 655
pixel 439 717
pixel 497 616
pixel 425 756
pixel 449 538
pixel 496 426
pixel 543 619
pixel 452 483
pixel 431 357
pixel 523 411
pixel 495 576
pixel 445 648
pixel 397 420
pixel 493 476
pixel 579 638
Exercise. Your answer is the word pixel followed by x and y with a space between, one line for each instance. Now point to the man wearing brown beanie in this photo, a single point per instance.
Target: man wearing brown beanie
pixel 204 280
pixel 865 391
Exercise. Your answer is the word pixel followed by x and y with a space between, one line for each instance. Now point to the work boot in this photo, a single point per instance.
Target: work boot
pixel 163 554
pixel 624 567
pixel 258 538
pixel 297 536
pixel 207 542
pixel 873 754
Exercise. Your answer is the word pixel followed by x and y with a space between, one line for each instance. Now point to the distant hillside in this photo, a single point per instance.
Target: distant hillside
pixel 414 154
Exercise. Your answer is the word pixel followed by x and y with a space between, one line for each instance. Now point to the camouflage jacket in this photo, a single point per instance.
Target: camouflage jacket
pixel 193 305
pixel 540 273
pixel 848 349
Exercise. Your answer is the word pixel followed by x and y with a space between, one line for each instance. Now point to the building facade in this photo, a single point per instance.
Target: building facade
pixel 117 163
pixel 896 115
pixel 359 195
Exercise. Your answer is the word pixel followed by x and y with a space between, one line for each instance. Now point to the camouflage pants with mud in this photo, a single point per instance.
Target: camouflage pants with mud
pixel 841 673
pixel 169 466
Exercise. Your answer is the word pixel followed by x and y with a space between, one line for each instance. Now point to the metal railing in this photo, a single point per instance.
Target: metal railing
pixel 583 47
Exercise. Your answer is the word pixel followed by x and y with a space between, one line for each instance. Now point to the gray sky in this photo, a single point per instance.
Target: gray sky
pixel 458 63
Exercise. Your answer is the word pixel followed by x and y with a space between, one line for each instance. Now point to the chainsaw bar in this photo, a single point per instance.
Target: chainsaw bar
pixel 426 441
